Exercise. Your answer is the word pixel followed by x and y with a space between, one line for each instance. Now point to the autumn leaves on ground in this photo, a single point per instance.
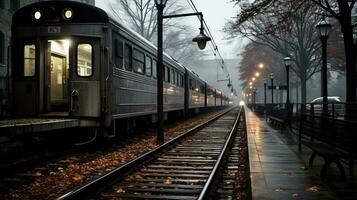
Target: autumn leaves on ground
pixel 54 179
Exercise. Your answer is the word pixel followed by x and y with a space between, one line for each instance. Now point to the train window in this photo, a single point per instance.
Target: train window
pixel 29 60
pixel 192 84
pixel 182 81
pixel 154 67
pixel 202 89
pixel 178 79
pixel 2 47
pixel 172 75
pixel 119 53
pixel 128 58
pixel 167 74
pixel 148 66
pixel 84 60
pixel 139 62
pixel 209 92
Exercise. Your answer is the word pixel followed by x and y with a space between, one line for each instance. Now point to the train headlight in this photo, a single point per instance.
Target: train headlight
pixel 67 13
pixel 37 15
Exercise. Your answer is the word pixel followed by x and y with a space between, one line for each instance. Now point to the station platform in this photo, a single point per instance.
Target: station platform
pixel 31 125
pixel 279 170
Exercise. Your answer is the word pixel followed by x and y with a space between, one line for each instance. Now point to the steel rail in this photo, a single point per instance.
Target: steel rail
pixel 82 191
pixel 207 189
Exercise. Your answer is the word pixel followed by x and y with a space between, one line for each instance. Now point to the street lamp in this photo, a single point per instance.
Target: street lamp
pixel 261 65
pixel 272 87
pixel 257 74
pixel 323 28
pixel 201 40
pixel 287 61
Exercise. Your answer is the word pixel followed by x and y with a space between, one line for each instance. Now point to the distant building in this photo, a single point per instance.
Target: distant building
pixel 7 9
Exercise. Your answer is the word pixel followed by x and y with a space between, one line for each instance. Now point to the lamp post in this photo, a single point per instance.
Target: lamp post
pixel 287 61
pixel 272 87
pixel 255 95
pixel 324 28
pixel 201 40
pixel 265 91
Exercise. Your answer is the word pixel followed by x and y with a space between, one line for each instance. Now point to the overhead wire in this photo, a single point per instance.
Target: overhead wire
pixel 213 45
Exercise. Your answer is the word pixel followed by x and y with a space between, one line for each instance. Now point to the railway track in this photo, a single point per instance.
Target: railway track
pixel 187 167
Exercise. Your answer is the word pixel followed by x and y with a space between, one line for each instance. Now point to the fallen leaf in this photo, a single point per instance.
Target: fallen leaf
pixel 77 177
pixel 120 190
pixel 313 189
pixel 295 194
pixel 38 174
pixel 168 181
pixel 304 168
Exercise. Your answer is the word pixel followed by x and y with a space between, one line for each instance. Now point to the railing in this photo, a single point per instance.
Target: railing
pixel 340 111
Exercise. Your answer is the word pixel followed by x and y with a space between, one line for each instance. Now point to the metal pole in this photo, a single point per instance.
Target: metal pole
pixel 160 65
pixel 324 74
pixel 265 94
pixel 287 85
pixel 272 91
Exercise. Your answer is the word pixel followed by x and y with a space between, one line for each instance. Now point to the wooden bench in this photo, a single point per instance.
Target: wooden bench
pixel 330 139
pixel 259 109
pixel 280 118
pixel 329 153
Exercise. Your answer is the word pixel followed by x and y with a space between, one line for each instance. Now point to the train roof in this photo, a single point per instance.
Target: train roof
pixel 52 11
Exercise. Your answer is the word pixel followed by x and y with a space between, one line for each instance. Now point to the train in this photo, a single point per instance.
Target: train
pixel 72 60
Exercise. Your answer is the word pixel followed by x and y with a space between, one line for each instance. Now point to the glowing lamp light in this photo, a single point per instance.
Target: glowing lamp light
pixel 250 83
pixel 37 15
pixel 241 103
pixel 257 74
pixel 253 79
pixel 261 65
pixel 67 13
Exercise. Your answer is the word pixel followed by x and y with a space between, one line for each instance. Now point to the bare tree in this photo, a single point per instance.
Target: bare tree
pixel 298 40
pixel 341 10
pixel 141 16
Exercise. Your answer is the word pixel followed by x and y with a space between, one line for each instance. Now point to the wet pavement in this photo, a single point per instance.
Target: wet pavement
pixel 278 169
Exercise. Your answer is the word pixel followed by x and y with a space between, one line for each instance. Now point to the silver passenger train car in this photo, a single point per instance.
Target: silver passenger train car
pixel 71 60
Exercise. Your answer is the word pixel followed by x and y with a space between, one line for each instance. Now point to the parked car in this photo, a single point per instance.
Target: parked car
pixel 334 104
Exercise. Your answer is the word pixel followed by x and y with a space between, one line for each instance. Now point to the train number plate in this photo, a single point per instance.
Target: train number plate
pixel 54 29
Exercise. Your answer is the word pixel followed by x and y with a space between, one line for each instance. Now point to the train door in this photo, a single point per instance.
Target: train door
pixel 85 99
pixel 56 76
pixel 59 88
pixel 25 77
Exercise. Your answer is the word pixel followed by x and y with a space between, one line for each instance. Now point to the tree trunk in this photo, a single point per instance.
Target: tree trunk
pixel 303 90
pixel 297 93
pixel 345 20
pixel 350 63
